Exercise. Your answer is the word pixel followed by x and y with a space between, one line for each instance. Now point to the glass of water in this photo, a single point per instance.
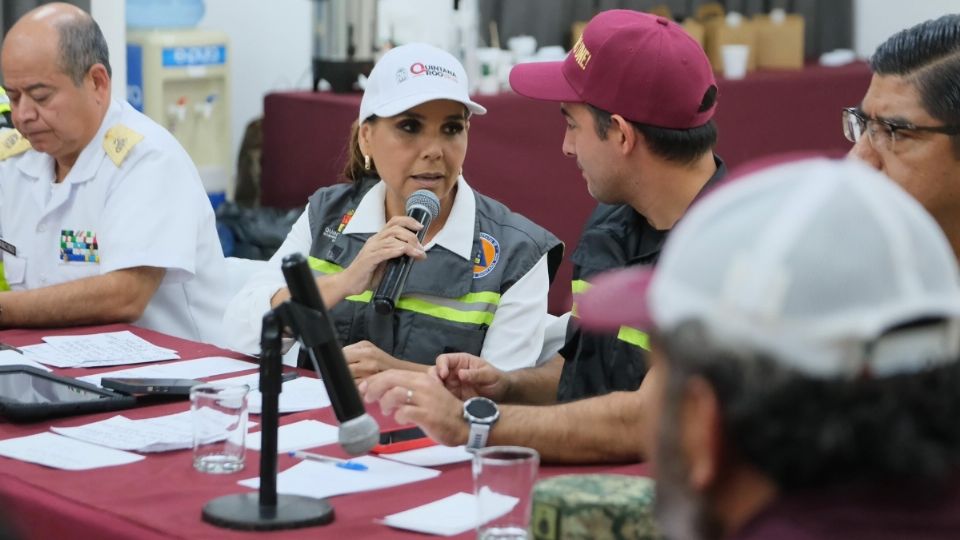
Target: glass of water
pixel 503 478
pixel 219 416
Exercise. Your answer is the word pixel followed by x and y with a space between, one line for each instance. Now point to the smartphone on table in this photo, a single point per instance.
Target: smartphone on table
pixel 150 386
pixel 401 439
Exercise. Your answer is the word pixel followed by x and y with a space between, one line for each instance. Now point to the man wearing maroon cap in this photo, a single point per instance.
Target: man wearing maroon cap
pixel 638 96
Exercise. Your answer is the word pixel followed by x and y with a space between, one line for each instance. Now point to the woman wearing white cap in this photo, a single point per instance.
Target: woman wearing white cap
pixel 481 276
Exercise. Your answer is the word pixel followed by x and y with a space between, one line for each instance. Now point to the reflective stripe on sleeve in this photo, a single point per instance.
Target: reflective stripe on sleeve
pixel 578 286
pixel 634 337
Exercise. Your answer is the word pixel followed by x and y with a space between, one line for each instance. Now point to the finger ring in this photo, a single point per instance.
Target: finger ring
pixel 409 396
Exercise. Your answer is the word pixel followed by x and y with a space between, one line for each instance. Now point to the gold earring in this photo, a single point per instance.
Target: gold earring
pixel 366 162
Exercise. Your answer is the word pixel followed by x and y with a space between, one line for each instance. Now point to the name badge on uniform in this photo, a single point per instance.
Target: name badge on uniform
pixel 8 247
pixel 79 246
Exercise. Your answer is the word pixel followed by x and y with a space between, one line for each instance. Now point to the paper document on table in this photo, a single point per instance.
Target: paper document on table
pixel 300 394
pixel 252 380
pixel 432 456
pixel 160 434
pixel 104 349
pixel 451 515
pixel 44 354
pixel 61 452
pixel 13 358
pixel 185 369
pixel 319 480
pixel 299 435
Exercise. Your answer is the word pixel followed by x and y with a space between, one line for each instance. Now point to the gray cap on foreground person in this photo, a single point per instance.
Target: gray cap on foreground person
pixel 807 319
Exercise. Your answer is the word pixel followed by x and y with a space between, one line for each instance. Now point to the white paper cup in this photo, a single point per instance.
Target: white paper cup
pixel 735 60
pixel 522 46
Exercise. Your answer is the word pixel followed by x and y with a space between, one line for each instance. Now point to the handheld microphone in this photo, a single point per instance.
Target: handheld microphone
pixel 359 432
pixel 424 207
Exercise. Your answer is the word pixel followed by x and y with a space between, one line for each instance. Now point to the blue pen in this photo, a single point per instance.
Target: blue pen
pixel 337 462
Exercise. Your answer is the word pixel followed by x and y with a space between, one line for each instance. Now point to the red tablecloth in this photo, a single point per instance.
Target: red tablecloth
pixel 515 155
pixel 162 496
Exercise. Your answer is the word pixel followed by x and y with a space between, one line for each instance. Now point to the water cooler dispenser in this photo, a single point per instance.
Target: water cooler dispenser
pixel 180 78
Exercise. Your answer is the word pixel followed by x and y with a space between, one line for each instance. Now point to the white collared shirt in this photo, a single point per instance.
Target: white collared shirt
pixel 515 337
pixel 151 210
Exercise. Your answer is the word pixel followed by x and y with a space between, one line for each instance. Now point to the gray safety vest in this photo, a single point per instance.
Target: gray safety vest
pixel 448 302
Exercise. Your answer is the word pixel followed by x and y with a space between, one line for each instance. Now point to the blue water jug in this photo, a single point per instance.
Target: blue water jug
pixel 164 13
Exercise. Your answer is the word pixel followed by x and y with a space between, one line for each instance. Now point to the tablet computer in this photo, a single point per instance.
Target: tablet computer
pixel 27 393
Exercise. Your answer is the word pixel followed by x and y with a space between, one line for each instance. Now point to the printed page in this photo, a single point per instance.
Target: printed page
pixel 432 456
pixel 61 452
pixel 104 349
pixel 319 480
pixel 451 515
pixel 13 358
pixel 299 436
pixel 186 369
pixel 160 434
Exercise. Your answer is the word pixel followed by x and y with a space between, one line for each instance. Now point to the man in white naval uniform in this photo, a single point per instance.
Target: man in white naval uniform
pixel 103 216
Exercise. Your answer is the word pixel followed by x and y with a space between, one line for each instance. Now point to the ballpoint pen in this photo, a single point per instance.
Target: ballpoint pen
pixel 337 462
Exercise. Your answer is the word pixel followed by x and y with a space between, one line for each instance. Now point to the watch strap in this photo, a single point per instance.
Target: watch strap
pixel 478 436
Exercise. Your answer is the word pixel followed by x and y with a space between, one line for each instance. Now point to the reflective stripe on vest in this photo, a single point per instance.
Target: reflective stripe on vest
pixel 472 308
pixel 637 338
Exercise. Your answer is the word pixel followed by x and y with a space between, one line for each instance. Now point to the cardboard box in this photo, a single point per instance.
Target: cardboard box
pixel 779 44
pixel 709 11
pixel 576 30
pixel 695 29
pixel 662 10
pixel 719 33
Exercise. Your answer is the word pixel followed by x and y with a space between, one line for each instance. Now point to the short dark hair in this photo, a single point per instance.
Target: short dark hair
pixel 928 55
pixel 807 432
pixel 682 146
pixel 82 46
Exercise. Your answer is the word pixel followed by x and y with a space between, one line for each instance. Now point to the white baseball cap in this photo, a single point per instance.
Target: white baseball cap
pixel 813 263
pixel 410 75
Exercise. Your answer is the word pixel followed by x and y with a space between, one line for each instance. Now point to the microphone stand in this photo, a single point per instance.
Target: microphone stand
pixel 267 511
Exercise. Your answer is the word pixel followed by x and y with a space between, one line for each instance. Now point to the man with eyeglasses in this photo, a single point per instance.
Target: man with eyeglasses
pixel 908 125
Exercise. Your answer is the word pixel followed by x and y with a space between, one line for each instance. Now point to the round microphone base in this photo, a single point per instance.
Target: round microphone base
pixel 244 512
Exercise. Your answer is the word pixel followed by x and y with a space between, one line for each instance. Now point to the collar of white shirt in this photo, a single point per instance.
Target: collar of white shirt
pixel 39 165
pixel 456 234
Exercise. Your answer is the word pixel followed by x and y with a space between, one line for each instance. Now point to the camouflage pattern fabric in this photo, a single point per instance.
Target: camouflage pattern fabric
pixel 594 507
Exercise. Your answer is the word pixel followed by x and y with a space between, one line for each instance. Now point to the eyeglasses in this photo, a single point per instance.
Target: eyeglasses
pixel 883 134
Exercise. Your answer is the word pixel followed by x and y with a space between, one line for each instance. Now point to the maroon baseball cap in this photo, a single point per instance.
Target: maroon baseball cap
pixel 640 66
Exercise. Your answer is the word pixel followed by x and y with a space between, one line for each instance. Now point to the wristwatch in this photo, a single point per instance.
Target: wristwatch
pixel 482 413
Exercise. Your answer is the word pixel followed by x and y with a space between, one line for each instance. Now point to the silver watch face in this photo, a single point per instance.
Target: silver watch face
pixel 481 410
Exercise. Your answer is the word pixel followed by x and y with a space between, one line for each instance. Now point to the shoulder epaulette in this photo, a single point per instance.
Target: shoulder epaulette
pixel 12 143
pixel 119 141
